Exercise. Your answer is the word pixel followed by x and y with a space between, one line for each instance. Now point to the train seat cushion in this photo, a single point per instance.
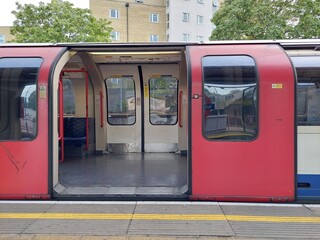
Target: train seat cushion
pixel 75 130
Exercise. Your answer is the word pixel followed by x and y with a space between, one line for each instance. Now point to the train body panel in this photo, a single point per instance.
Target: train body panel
pixel 231 121
pixel 247 164
pixel 24 121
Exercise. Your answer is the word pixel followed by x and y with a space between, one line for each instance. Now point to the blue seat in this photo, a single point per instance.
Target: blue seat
pixel 75 131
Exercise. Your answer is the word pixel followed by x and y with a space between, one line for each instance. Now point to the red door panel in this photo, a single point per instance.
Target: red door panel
pixel 261 169
pixel 24 162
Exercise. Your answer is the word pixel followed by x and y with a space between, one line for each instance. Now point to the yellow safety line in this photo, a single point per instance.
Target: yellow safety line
pixel 168 217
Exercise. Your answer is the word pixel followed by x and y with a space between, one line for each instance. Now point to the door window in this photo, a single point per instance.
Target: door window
pixel 308 100
pixel 121 101
pixel 163 100
pixel 18 98
pixel 229 98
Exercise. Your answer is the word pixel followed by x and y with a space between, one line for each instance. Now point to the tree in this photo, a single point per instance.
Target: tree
pixel 58 21
pixel 266 19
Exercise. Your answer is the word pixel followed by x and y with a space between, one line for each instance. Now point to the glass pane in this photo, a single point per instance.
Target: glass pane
pixel 163 100
pixel 308 100
pixel 69 106
pixel 121 101
pixel 230 98
pixel 18 98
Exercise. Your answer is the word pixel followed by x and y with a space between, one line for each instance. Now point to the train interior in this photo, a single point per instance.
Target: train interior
pixel 122 122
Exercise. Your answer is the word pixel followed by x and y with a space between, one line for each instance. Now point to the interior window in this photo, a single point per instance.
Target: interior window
pixel 18 98
pixel 163 100
pixel 69 107
pixel 121 101
pixel 229 98
pixel 308 99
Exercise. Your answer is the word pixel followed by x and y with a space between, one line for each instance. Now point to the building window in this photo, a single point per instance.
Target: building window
pixel 185 17
pixel 185 37
pixel 200 38
pixel 2 39
pixel 154 17
pixel 114 13
pixel 200 1
pixel 115 36
pixel 200 19
pixel 154 38
pixel 229 98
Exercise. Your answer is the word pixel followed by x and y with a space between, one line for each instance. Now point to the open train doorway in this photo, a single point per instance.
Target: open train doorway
pixel 135 117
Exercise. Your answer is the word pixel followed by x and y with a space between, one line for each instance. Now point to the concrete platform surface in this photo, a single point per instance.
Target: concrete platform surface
pixel 157 220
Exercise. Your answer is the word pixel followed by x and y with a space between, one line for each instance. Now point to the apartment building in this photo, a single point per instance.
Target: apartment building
pixel 190 20
pixel 157 20
pixel 133 20
pixel 152 20
pixel 5 35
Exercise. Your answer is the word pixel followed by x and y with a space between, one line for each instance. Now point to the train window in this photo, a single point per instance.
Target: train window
pixel 121 101
pixel 230 98
pixel 308 100
pixel 163 100
pixel 18 98
pixel 69 106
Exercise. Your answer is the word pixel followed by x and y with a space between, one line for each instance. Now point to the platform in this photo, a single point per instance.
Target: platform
pixel 157 220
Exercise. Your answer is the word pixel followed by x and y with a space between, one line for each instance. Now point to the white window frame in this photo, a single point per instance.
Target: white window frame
pixel 154 38
pixel 185 17
pixel 115 36
pixel 200 38
pixel 200 20
pixel 2 38
pixel 154 17
pixel 114 13
pixel 185 37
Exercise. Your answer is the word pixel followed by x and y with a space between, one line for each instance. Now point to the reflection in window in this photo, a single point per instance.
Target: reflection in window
pixel 121 101
pixel 230 98
pixel 163 100
pixel 18 98
pixel 308 100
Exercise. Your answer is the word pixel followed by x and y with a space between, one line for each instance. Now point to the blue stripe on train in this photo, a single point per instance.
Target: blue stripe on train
pixel 308 186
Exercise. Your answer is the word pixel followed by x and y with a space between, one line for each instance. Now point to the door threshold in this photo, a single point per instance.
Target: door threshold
pixel 107 190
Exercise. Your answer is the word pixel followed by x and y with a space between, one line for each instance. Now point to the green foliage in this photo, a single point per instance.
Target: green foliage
pixel 267 19
pixel 58 21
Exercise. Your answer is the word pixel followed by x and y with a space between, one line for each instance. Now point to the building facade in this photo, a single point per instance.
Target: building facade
pixel 190 20
pixel 5 35
pixel 133 20
pixel 152 20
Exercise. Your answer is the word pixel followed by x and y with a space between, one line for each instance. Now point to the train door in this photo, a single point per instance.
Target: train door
pixel 142 108
pixel 242 128
pixel 24 134
pixel 307 67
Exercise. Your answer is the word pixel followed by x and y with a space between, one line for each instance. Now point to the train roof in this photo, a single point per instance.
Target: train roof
pixel 286 44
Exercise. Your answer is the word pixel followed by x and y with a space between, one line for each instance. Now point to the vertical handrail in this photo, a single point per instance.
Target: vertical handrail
pixel 101 109
pixel 87 110
pixel 61 113
pixel 180 109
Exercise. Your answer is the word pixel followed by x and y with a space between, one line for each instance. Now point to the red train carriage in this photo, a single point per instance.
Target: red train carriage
pixel 227 121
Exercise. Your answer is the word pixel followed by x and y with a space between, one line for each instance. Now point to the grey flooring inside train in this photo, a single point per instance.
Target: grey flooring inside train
pixel 128 173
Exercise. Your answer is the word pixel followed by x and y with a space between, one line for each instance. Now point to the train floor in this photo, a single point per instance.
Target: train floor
pixel 128 173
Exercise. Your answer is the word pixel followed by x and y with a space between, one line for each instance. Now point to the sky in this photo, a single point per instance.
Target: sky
pixel 6 18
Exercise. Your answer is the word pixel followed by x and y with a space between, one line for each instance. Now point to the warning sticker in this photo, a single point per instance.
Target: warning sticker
pixel 277 85
pixel 43 91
